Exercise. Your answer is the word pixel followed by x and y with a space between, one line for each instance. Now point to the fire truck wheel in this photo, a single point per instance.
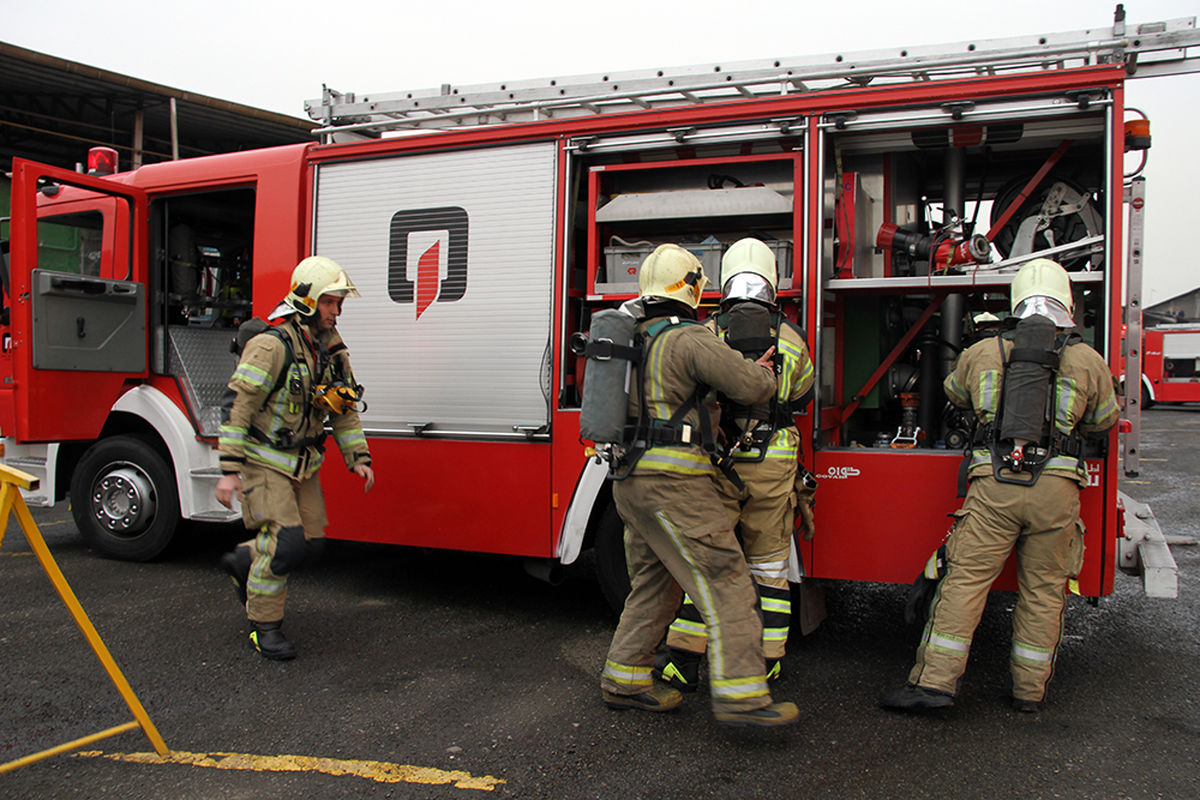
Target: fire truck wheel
pixel 611 570
pixel 1147 402
pixel 124 500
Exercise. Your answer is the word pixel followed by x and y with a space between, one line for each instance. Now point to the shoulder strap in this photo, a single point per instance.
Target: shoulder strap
pixel 782 319
pixel 289 356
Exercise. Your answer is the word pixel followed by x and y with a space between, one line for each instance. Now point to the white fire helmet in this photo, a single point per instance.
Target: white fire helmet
pixel 1043 287
pixel 672 273
pixel 748 272
pixel 313 277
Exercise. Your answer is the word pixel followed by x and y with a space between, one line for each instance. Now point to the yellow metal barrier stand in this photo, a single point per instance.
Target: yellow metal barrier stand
pixel 11 481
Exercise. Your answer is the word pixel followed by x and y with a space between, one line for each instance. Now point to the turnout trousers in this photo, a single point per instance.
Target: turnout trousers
pixel 284 514
pixel 678 539
pixel 1042 523
pixel 763 514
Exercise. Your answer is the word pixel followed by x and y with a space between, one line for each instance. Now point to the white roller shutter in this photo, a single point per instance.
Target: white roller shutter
pixel 465 350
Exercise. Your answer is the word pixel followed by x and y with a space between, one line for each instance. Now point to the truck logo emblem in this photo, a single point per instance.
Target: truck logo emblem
pixel 841 473
pixel 424 244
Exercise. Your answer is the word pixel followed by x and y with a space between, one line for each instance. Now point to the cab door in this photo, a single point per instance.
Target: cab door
pixel 78 302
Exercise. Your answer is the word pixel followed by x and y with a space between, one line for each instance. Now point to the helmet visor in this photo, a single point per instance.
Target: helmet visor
pixel 748 286
pixel 1047 307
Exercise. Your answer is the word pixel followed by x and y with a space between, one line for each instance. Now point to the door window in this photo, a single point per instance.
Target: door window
pixel 71 243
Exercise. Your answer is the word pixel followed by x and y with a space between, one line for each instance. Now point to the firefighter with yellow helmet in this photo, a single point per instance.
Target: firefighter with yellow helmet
pixel 678 536
pixel 1036 391
pixel 290 379
pixel 765 444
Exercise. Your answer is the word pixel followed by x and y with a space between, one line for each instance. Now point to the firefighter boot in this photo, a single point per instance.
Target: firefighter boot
pixel 915 698
pixel 679 668
pixel 237 564
pixel 656 698
pixel 774 669
pixel 1026 706
pixel 270 641
pixel 768 717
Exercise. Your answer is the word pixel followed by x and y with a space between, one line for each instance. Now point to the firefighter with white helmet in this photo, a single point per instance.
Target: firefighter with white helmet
pixel 1036 391
pixel 766 443
pixel 290 379
pixel 678 536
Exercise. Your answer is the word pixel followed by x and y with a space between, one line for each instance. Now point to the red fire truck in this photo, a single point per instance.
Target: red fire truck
pixel 484 225
pixel 1171 364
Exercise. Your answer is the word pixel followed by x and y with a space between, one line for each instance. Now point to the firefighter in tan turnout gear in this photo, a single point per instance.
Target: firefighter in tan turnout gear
pixel 765 442
pixel 289 380
pixel 678 535
pixel 1035 390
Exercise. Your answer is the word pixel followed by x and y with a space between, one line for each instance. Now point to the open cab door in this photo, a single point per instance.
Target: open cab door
pixel 77 302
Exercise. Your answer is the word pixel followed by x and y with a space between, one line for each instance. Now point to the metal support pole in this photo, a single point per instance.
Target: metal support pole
pixel 954 307
pixel 138 137
pixel 174 131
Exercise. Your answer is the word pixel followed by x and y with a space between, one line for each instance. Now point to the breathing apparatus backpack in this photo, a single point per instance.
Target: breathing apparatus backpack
pixel 247 331
pixel 616 352
pixel 1023 437
pixel 749 429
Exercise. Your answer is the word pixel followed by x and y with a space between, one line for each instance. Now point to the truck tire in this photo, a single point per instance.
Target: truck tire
pixel 1147 402
pixel 124 500
pixel 611 569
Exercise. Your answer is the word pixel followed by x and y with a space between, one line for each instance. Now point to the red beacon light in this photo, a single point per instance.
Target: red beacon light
pixel 102 161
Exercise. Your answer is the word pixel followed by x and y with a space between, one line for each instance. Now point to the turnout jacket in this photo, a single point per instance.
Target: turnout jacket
pixel 795 379
pixel 280 428
pixel 680 359
pixel 1082 397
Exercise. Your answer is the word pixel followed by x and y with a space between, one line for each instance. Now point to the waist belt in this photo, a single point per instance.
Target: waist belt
pixel 1024 465
pixel 286 440
pixel 662 432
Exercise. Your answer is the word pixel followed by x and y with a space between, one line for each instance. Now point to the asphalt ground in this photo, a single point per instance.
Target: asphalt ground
pixel 426 674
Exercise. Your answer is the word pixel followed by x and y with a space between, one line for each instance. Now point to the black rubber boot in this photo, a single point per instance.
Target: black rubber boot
pixel 1026 706
pixel 679 668
pixel 915 698
pixel 237 564
pixel 270 641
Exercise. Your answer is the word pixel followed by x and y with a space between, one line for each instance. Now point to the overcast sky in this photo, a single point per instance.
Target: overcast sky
pixel 275 55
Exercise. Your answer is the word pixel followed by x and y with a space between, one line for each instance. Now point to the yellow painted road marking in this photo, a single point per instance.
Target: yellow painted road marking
pixel 1140 483
pixel 378 771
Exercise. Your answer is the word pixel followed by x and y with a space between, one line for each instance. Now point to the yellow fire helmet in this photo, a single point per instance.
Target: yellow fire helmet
pixel 1043 287
pixel 313 277
pixel 672 273
pixel 748 272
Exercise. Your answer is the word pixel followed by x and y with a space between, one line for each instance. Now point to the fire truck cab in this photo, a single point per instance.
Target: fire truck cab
pixel 899 192
pixel 1171 364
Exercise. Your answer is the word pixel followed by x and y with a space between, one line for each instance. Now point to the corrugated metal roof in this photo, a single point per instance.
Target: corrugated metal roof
pixel 52 110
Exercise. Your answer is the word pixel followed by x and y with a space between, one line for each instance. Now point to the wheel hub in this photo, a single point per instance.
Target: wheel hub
pixel 123 500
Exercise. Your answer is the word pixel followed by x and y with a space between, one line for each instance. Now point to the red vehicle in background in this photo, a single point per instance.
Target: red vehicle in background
pixel 1171 364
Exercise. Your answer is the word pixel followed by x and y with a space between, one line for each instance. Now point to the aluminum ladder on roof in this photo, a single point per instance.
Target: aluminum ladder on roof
pixel 1146 50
